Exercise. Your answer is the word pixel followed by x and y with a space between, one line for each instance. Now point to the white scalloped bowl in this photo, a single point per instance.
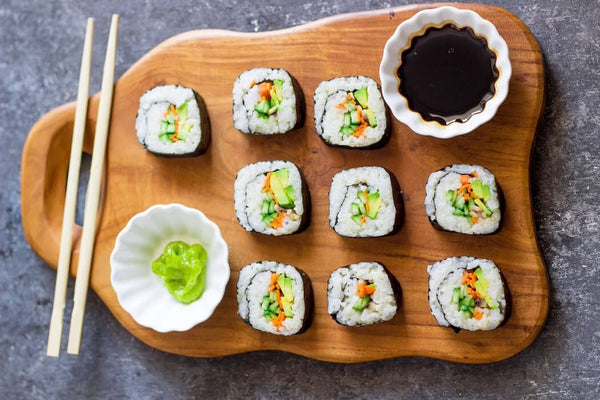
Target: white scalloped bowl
pixel 401 40
pixel 141 292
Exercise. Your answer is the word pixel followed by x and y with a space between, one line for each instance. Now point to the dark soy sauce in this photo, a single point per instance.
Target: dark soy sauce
pixel 447 74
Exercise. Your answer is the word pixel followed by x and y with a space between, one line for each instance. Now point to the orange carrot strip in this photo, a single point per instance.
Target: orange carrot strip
pixel 359 130
pixel 278 221
pixel 265 90
pixel 274 278
pixel 252 83
pixel 477 315
pixel 474 219
pixel 267 185
pixel 361 289
pixel 464 179
pixel 174 137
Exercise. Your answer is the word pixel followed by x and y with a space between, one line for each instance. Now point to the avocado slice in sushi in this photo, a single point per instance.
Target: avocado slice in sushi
pixel 266 302
pixel 279 185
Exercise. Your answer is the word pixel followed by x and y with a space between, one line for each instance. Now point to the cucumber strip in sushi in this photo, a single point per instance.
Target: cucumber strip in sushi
pixel 274 297
pixel 365 202
pixel 350 112
pixel 270 197
pixel 468 293
pixel 362 294
pixel 464 199
pixel 172 121
pixel 267 101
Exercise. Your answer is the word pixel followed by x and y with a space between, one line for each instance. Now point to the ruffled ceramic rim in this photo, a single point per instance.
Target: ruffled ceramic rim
pixel 223 256
pixel 400 41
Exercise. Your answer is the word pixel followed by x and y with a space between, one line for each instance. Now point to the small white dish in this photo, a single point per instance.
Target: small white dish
pixel 401 40
pixel 141 292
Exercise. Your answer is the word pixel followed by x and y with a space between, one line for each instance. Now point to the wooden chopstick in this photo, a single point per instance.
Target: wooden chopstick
pixel 66 240
pixel 93 191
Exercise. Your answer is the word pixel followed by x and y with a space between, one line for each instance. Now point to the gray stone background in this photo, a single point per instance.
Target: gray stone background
pixel 40 52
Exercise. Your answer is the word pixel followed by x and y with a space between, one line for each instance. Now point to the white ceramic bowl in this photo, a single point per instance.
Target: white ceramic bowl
pixel 141 292
pixel 401 40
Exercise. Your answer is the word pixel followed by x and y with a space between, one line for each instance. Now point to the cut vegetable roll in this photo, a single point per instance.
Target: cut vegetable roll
pixel 365 202
pixel 464 199
pixel 267 101
pixel 350 112
pixel 271 198
pixel 468 293
pixel 172 122
pixel 362 294
pixel 275 298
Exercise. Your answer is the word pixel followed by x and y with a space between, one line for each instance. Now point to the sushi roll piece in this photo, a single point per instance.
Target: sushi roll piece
pixel 350 112
pixel 468 293
pixel 271 198
pixel 365 202
pixel 464 199
pixel 172 122
pixel 362 294
pixel 274 297
pixel 267 101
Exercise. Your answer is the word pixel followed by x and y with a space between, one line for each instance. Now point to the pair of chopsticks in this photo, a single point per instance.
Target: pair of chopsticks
pixel 92 195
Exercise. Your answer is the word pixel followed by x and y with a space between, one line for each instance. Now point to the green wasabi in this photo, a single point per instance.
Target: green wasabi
pixel 183 270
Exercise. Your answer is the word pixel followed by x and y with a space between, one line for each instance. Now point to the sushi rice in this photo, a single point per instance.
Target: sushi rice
pixel 279 117
pixel 444 213
pixel 253 286
pixel 250 195
pixel 345 196
pixel 339 98
pixel 453 304
pixel 346 293
pixel 157 105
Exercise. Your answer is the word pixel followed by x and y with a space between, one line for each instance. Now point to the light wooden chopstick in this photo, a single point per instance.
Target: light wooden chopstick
pixel 93 191
pixel 66 240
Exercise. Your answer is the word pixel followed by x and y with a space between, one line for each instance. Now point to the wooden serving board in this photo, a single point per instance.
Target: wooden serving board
pixel 352 44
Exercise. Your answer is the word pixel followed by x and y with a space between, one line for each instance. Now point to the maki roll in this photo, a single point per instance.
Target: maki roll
pixel 274 297
pixel 266 102
pixel 362 294
pixel 464 199
pixel 172 122
pixel 350 112
pixel 271 198
pixel 365 202
pixel 468 293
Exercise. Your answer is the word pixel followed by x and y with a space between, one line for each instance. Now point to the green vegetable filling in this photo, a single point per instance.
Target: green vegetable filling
pixel 183 270
pixel 474 286
pixel 173 125
pixel 355 121
pixel 367 206
pixel 470 201
pixel 271 98
pixel 364 291
pixel 278 192
pixel 361 304
pixel 279 300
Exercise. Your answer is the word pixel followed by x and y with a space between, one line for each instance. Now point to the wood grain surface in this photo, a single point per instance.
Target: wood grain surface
pixel 352 44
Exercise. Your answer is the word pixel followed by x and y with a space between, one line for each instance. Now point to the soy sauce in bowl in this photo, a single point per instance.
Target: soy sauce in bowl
pixel 447 74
